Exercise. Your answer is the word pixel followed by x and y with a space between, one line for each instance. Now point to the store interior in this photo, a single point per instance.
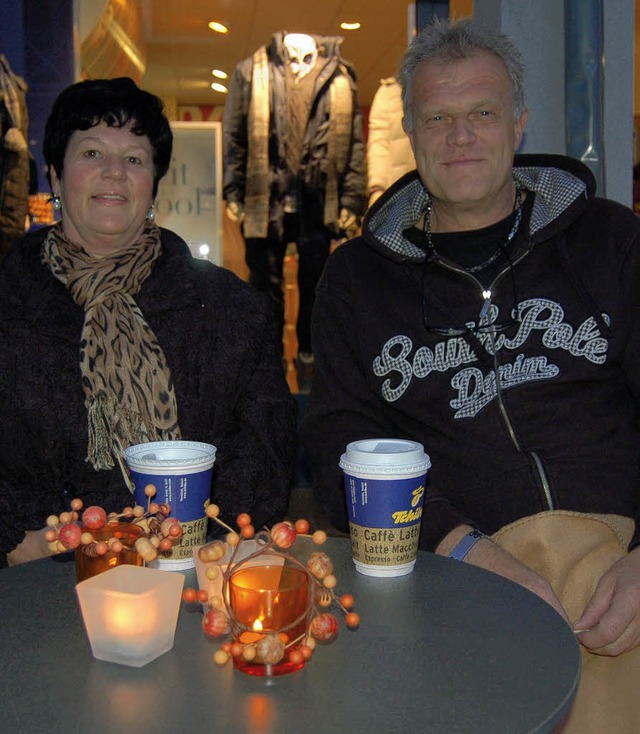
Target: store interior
pixel 185 52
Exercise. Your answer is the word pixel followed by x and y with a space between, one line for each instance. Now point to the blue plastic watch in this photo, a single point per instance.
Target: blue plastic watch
pixel 466 544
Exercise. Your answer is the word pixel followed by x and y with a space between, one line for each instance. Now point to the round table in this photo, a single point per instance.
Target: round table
pixel 448 649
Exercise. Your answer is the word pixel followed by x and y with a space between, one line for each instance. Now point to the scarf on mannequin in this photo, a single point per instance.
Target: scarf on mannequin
pixel 128 389
pixel 341 110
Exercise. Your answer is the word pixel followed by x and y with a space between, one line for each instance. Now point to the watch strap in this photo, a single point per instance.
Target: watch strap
pixel 466 544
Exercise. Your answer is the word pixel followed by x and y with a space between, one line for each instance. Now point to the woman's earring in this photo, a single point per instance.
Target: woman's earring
pixel 151 214
pixel 56 202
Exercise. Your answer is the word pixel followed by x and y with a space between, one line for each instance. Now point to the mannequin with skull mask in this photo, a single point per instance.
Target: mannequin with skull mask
pixel 294 163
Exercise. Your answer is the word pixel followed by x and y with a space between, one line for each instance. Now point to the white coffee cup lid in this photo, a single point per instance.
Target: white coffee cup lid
pixel 385 454
pixel 158 454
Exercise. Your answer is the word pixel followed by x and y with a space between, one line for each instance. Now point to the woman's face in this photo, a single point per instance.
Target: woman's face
pixel 106 188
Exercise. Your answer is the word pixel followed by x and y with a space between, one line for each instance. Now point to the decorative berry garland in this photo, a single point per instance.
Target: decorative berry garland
pixel 159 532
pixel 274 647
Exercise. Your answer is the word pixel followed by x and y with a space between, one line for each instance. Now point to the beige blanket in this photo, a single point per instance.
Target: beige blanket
pixel 572 550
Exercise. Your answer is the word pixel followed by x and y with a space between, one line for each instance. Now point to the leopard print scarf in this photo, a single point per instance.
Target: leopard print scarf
pixel 128 389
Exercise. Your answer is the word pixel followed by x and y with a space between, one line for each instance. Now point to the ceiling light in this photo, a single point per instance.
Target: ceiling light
pixel 218 27
pixel 350 26
pixel 219 74
pixel 219 88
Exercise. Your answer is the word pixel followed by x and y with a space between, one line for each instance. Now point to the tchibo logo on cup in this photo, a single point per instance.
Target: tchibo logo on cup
pixel 405 516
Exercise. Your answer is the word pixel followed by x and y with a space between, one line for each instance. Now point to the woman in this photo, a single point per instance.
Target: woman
pixel 111 334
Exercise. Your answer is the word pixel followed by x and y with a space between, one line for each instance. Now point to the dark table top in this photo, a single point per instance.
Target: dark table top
pixel 447 649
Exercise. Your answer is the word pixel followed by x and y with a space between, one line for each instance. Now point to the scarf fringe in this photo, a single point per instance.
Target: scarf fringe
pixel 113 428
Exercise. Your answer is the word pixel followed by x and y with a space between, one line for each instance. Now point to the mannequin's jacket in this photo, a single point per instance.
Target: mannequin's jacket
pixel 313 173
pixel 533 408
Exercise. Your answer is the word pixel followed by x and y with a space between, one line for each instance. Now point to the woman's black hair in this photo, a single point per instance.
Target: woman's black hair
pixel 115 102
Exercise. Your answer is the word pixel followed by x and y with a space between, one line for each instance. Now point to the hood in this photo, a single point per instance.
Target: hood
pixel 562 186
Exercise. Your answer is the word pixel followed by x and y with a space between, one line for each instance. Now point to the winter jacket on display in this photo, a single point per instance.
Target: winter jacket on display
pixel 534 415
pixel 219 341
pixel 311 181
pixel 14 157
pixel 389 154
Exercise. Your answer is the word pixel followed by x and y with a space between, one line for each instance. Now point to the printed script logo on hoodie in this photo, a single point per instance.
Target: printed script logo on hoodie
pixel 475 389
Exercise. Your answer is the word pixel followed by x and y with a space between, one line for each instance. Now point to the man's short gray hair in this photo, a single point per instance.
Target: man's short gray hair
pixel 452 41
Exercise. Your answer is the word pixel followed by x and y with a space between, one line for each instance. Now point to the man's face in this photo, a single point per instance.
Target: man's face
pixel 464 135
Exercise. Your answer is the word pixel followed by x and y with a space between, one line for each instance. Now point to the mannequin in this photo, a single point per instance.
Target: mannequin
pixel 294 168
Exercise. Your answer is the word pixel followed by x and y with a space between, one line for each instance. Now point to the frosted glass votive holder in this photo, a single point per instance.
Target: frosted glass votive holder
pixel 130 613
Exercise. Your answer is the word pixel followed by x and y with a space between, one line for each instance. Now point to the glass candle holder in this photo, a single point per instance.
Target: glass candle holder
pixel 266 601
pixel 130 613
pixel 126 532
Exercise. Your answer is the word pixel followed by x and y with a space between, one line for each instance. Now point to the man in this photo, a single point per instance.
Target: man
pixel 490 311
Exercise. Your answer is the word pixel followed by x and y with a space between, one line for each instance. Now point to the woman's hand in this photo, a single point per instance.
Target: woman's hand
pixel 33 546
pixel 611 619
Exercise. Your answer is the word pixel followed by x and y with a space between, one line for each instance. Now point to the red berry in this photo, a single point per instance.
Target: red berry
pixel 324 627
pixel 237 648
pixel 189 595
pixel 115 545
pixel 302 526
pixel 247 531
pixel 283 535
pixel 352 620
pixel 212 511
pixel 167 525
pixel 94 517
pixel 306 651
pixel 296 657
pixel 69 535
pixel 243 519
pixel 203 596
pixel 319 537
pixel 214 623
pixel 347 601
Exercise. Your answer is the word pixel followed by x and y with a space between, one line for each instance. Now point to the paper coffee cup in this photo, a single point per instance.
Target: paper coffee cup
pixel 384 482
pixel 181 473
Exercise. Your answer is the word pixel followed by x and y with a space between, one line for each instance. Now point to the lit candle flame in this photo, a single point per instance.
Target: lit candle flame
pixel 257 626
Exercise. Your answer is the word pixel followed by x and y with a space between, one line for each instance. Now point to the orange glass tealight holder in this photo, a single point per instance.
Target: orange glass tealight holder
pixel 269 600
pixel 126 532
